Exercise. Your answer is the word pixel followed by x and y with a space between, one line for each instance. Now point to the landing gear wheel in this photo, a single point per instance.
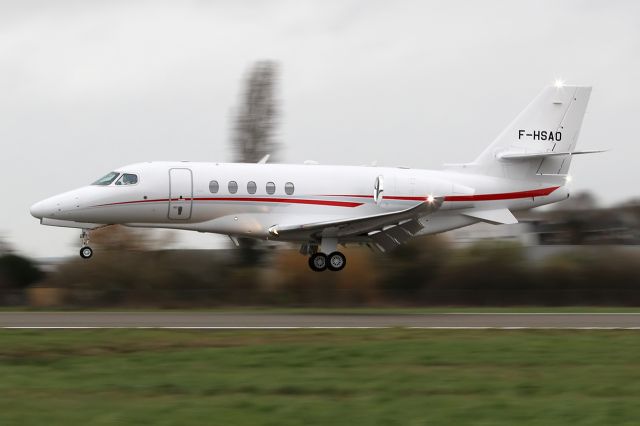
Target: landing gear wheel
pixel 86 252
pixel 318 262
pixel 336 261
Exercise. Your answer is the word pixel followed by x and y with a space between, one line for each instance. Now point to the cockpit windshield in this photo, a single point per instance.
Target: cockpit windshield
pixel 106 179
pixel 127 179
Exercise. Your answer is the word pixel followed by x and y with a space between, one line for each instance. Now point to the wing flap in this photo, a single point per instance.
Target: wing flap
pixel 412 226
pixel 397 233
pixel 383 241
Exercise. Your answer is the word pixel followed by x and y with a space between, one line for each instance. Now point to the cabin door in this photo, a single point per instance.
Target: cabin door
pixel 180 193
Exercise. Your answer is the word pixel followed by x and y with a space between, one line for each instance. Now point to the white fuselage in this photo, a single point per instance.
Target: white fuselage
pixel 526 166
pixel 179 195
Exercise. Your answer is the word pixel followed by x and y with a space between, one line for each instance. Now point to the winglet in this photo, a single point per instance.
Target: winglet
pixel 264 159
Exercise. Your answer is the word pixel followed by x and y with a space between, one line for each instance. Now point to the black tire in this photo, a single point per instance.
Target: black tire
pixel 318 262
pixel 86 252
pixel 336 261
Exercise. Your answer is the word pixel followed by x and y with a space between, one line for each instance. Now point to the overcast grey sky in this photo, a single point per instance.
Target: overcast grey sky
pixel 87 86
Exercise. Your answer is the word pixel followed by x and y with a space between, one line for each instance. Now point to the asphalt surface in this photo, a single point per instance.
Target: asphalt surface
pixel 208 320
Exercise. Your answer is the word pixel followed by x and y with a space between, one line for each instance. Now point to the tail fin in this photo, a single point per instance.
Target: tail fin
pixel 541 140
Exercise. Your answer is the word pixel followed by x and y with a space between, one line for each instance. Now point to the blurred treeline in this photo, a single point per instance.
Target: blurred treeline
pixel 426 272
pixel 17 273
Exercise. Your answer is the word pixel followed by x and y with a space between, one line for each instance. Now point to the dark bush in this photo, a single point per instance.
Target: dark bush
pixel 488 273
pixel 17 272
pixel 426 272
pixel 408 271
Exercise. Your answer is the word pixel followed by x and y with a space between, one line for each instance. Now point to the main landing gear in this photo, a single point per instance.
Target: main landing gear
pixel 334 261
pixel 85 252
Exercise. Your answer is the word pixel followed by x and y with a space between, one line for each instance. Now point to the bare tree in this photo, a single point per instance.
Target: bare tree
pixel 257 116
pixel 254 129
pixel 5 247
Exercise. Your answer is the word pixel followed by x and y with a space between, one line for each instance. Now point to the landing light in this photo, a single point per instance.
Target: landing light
pixel 430 198
pixel 559 83
pixel 568 178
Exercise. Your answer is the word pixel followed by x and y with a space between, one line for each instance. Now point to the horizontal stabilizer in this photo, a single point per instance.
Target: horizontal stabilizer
pixel 497 216
pixel 535 155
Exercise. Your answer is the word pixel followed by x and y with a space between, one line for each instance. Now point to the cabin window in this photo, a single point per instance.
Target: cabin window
pixel 252 187
pixel 127 179
pixel 289 188
pixel 214 187
pixel 271 188
pixel 233 187
pixel 106 179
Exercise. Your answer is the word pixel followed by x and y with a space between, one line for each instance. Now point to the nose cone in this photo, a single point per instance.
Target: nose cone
pixel 40 209
pixel 62 206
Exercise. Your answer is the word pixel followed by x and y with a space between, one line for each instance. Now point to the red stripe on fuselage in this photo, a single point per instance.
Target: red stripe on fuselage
pixel 386 197
pixel 503 196
pixel 246 199
pixel 452 198
pixel 159 200
pixel 284 201
pixel 479 197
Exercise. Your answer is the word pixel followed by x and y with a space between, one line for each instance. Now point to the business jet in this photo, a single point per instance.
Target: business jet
pixel 322 207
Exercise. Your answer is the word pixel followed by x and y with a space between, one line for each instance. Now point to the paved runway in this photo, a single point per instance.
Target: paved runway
pixel 209 320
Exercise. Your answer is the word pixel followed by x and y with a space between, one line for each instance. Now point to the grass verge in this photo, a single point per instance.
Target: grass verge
pixel 386 377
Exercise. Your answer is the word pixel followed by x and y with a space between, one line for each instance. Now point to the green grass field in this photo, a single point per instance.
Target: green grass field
pixel 321 377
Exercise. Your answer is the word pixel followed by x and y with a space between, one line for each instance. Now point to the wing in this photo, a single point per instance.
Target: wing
pixel 386 230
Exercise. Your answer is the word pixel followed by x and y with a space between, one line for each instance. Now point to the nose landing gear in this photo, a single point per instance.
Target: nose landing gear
pixel 85 252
